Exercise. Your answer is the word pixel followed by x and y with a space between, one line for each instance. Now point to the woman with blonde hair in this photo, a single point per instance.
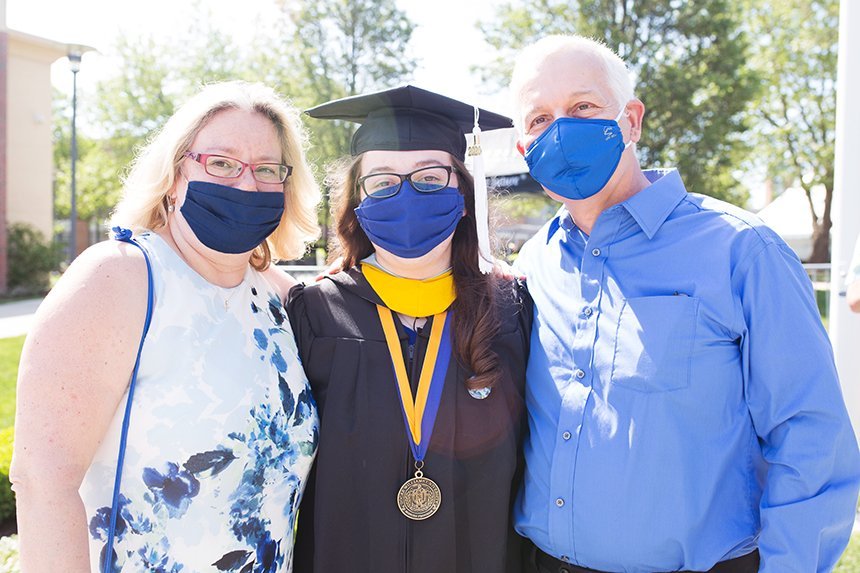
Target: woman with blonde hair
pixel 164 422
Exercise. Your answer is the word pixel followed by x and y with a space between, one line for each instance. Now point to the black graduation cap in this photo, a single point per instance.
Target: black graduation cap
pixel 408 119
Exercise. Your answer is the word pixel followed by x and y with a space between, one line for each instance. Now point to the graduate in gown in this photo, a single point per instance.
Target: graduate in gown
pixel 415 356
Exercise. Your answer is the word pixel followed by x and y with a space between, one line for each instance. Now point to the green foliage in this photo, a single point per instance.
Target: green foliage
pixel 31 258
pixel 7 496
pixel 311 51
pixel 9 562
pixel 342 48
pixel 533 208
pixel 850 561
pixel 689 59
pixel 10 355
pixel 795 54
pixel 125 110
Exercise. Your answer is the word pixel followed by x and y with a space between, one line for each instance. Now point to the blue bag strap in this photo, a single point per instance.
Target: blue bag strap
pixel 125 236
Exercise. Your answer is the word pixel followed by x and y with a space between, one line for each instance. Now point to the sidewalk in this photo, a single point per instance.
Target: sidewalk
pixel 16 317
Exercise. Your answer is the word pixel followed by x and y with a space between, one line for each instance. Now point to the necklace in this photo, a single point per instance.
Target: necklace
pixel 233 291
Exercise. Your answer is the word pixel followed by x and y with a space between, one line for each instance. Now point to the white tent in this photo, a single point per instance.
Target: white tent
pixel 790 217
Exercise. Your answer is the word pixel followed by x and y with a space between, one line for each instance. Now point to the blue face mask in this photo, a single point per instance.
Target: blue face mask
pixel 229 220
pixel 575 157
pixel 410 224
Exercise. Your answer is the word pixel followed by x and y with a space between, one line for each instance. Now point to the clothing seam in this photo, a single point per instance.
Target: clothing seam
pixel 743 267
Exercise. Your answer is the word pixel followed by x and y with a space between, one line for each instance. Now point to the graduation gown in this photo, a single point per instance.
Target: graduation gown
pixel 349 519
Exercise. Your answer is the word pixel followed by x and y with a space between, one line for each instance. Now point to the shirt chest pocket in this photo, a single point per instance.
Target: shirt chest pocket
pixel 654 343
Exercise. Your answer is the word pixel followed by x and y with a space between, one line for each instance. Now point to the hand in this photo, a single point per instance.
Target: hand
pixel 503 270
pixel 853 295
pixel 335 267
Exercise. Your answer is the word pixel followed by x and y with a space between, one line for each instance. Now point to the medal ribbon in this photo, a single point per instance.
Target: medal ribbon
pixel 420 415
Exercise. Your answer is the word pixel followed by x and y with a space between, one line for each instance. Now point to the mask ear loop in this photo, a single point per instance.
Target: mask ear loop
pixel 618 118
pixel 485 260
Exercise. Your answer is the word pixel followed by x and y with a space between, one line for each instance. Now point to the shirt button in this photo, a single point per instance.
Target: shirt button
pixel 559 502
pixel 579 373
pixel 588 311
pixel 595 252
pixel 566 435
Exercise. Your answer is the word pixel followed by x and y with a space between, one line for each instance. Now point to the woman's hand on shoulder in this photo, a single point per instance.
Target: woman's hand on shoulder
pixel 504 270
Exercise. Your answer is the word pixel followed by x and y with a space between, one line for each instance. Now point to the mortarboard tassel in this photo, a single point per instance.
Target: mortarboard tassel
pixel 482 216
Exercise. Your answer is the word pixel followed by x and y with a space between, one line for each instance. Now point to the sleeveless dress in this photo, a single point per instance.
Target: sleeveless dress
pixel 223 432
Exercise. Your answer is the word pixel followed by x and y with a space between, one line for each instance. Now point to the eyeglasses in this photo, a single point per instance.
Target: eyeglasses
pixel 424 180
pixel 230 168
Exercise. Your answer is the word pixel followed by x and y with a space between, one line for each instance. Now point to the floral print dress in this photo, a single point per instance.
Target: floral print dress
pixel 223 433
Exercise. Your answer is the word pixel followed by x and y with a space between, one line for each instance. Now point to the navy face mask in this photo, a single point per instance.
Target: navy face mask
pixel 410 224
pixel 575 157
pixel 229 220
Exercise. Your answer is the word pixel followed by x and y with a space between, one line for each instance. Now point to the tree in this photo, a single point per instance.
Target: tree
pixel 795 53
pixel 122 113
pixel 689 59
pixel 129 106
pixel 310 52
pixel 342 48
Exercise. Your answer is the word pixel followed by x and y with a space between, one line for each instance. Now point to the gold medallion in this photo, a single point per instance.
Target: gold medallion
pixel 419 497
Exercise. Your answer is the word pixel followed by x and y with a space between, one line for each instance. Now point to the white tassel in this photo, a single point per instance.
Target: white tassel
pixel 482 215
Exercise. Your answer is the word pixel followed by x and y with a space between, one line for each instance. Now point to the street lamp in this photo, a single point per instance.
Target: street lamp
pixel 75 65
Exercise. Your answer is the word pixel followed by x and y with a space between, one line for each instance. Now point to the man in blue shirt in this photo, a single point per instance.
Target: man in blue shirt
pixel 684 407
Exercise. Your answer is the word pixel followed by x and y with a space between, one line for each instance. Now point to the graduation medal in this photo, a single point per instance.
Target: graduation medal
pixel 419 497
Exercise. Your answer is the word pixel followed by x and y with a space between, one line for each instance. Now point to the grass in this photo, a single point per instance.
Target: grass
pixel 850 562
pixel 10 353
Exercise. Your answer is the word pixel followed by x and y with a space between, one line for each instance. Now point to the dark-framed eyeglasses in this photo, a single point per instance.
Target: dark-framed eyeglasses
pixel 424 180
pixel 232 168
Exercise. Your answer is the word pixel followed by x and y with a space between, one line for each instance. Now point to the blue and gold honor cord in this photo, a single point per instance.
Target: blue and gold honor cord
pixel 419 497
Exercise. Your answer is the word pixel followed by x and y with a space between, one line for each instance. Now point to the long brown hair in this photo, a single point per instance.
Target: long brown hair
pixel 475 319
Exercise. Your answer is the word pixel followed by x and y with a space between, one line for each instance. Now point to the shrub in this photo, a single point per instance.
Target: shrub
pixel 31 259
pixel 7 496
pixel 9 554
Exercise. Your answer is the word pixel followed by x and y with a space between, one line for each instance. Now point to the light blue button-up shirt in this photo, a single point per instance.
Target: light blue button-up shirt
pixel 683 402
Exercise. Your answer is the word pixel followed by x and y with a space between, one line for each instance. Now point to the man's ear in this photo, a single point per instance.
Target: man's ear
pixel 635 115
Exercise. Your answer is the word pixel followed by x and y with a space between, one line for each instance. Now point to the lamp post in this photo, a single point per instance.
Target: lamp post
pixel 75 65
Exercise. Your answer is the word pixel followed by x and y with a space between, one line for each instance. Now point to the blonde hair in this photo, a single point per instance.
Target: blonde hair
pixel 156 168
pixel 616 72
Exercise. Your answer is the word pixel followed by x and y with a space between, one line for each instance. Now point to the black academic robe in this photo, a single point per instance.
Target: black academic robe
pixel 349 519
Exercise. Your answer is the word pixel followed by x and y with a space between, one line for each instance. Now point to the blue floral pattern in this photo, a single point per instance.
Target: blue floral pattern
pixel 223 433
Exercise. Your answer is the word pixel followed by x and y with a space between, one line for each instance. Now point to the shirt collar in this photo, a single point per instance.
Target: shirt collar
pixel 562 219
pixel 653 205
pixel 649 207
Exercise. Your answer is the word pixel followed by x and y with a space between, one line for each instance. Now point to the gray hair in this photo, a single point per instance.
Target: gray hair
pixel 617 74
